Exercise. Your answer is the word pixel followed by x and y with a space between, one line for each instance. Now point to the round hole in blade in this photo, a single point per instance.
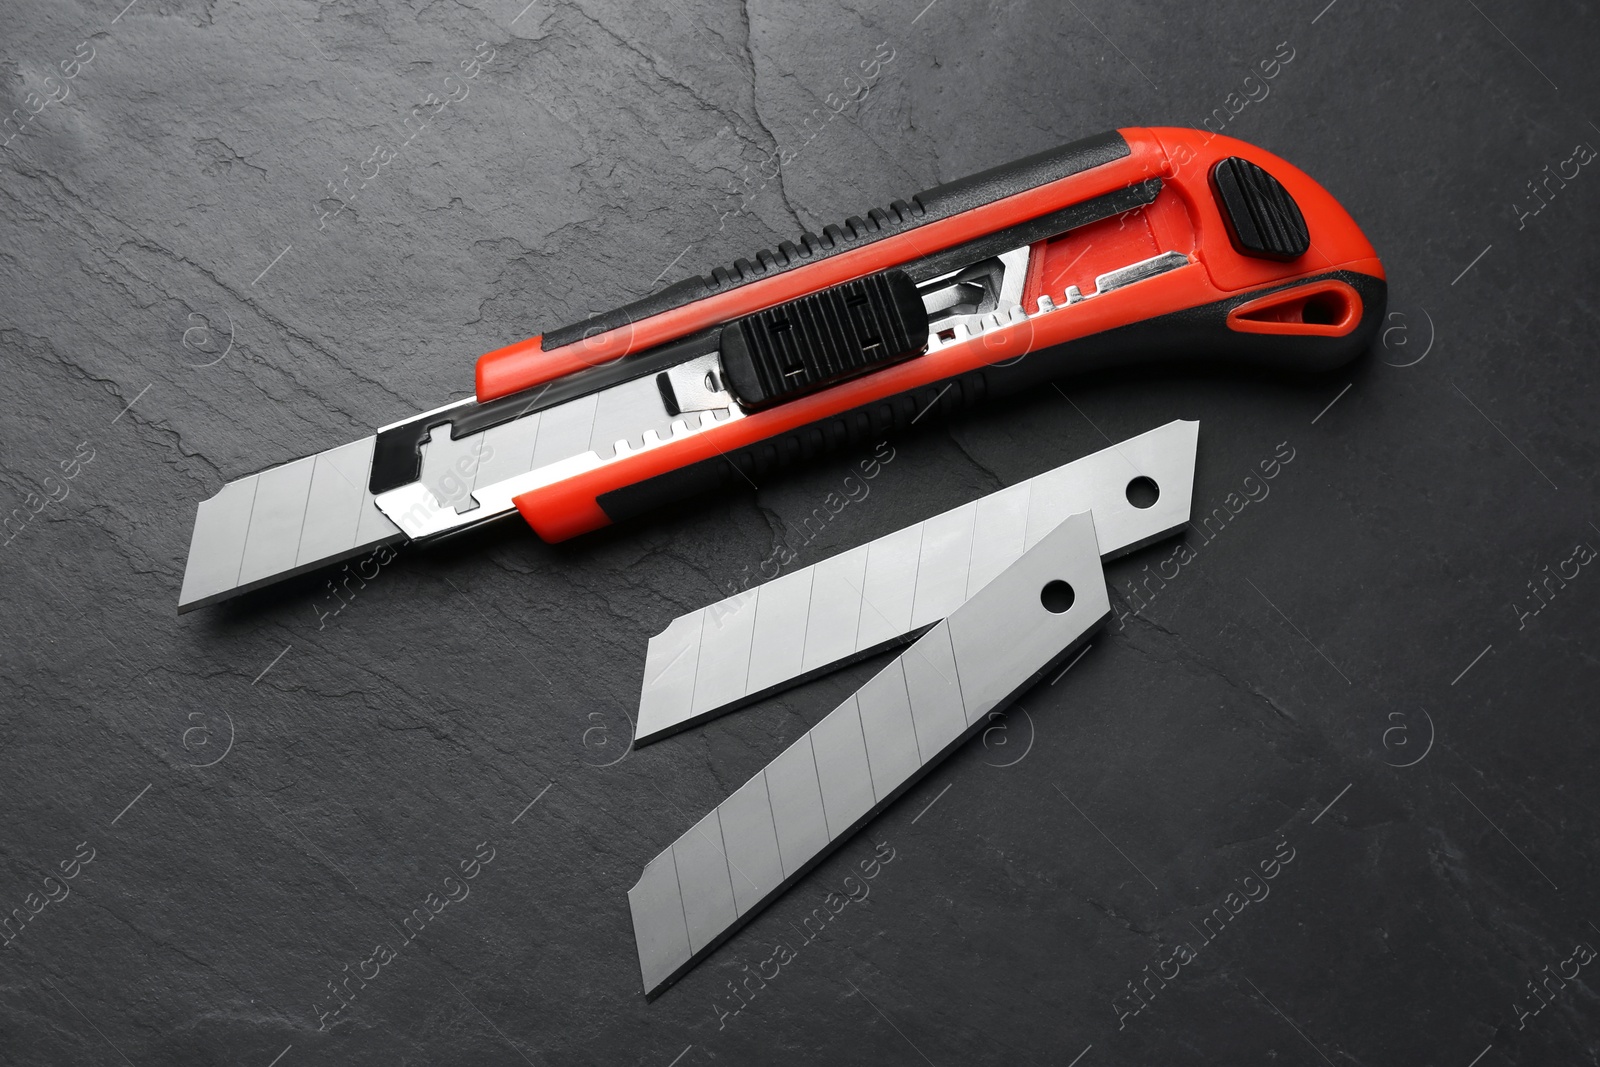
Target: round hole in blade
pixel 1143 492
pixel 1057 597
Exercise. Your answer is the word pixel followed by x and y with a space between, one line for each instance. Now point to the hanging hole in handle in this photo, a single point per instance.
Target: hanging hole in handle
pixel 1324 309
pixel 1328 308
pixel 1143 492
pixel 1057 597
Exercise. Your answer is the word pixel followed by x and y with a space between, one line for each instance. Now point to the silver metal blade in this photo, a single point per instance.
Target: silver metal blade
pixel 969 296
pixel 950 325
pixel 268 526
pixel 872 597
pixel 1138 272
pixel 865 753
pixel 543 447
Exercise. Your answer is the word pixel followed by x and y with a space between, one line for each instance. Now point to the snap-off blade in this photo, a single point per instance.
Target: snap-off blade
pixel 881 594
pixel 867 751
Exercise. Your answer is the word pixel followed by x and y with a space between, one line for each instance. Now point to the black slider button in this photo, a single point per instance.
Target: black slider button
pixel 823 338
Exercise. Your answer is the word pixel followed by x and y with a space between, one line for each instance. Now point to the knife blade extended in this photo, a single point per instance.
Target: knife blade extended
pixel 317 511
pixel 877 595
pixel 465 463
pixel 1131 246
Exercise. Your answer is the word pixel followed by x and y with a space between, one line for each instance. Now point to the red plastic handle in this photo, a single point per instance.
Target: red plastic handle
pixel 1268 310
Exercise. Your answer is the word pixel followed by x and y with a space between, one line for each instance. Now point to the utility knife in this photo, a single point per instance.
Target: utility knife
pixel 1146 244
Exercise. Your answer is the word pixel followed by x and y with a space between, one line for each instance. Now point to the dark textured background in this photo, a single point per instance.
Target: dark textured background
pixel 1315 644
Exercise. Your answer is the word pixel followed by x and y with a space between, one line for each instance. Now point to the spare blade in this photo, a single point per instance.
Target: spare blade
pixel 867 751
pixel 881 594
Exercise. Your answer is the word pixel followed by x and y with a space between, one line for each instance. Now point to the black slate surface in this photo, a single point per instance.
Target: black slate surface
pixel 268 789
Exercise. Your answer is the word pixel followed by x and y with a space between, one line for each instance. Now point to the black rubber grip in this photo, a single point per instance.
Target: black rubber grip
pixel 1201 335
pixel 749 465
pixel 940 202
pixel 1195 335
